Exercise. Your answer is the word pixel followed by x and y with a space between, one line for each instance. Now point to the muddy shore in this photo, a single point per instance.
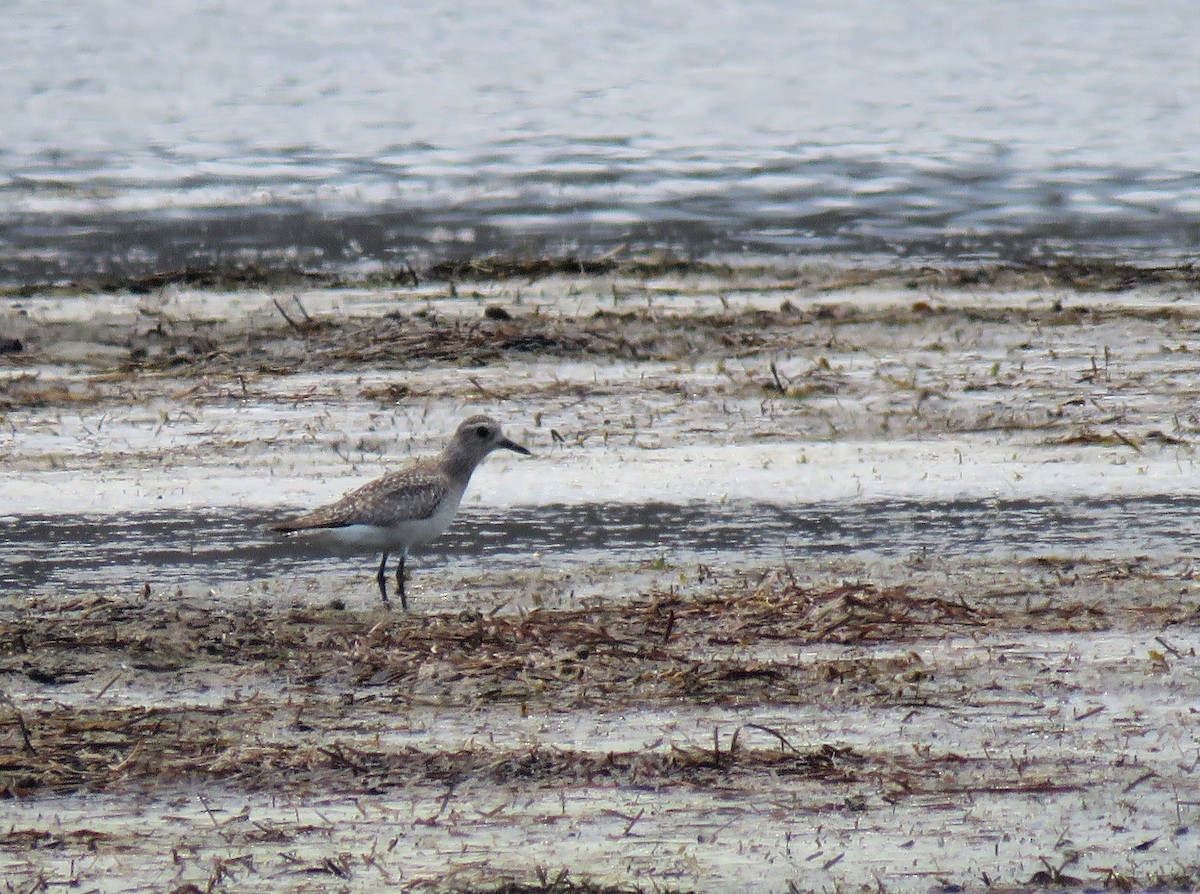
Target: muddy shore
pixel 622 710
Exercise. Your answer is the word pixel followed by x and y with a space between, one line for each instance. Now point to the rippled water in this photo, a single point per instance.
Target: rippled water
pixel 144 137
pixel 64 553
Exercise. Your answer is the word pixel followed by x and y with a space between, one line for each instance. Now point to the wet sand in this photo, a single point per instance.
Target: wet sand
pixel 623 710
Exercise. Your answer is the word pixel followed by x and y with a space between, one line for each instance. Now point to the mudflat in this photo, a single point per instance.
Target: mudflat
pixel 598 698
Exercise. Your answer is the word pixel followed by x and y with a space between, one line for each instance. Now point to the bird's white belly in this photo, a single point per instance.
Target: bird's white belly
pixel 399 537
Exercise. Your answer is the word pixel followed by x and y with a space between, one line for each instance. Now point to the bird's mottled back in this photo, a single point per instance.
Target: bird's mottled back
pixel 412 493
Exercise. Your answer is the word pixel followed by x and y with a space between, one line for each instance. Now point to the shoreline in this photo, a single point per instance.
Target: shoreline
pixel 1085 272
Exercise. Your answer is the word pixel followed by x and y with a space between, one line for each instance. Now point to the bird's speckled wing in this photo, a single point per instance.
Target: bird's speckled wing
pixel 408 494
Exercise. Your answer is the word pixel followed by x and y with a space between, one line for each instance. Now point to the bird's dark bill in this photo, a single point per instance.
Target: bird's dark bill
pixel 513 446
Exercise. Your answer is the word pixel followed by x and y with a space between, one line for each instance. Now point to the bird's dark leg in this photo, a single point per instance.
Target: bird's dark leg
pixel 381 577
pixel 400 581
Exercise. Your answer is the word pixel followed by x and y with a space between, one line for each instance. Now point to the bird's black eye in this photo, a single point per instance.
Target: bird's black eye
pixel 482 431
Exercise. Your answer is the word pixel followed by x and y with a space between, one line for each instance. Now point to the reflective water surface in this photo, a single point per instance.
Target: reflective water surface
pixel 64 553
pixel 141 138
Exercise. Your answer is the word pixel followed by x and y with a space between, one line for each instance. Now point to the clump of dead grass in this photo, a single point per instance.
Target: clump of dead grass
pixel 308 669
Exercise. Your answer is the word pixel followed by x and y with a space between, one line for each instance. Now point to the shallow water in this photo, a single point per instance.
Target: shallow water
pixel 51 554
pixel 374 134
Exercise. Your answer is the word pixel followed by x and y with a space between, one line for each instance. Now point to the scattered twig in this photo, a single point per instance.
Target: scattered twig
pixel 632 821
pixel 107 686
pixel 486 392
pixel 779 386
pixel 1166 645
pixel 304 313
pixel 283 313
pixel 1126 441
pixel 1149 774
pixel 27 745
pixel 771 732
pixel 204 803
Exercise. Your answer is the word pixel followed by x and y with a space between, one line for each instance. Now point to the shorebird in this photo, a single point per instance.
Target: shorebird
pixel 408 507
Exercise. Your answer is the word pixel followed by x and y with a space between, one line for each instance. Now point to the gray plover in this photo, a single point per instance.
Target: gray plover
pixel 408 507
